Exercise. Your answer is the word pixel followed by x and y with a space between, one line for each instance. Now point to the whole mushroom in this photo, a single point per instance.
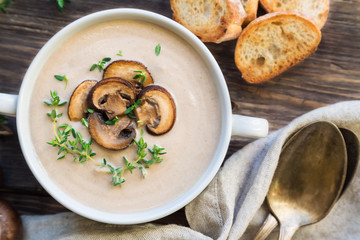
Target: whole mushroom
pixel 10 222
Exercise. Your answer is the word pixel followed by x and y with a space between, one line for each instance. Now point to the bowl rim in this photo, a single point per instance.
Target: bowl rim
pixel 24 126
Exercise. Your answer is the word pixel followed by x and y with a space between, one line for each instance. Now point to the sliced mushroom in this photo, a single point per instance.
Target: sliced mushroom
pixel 114 137
pixel 112 96
pixel 157 109
pixel 78 104
pixel 128 70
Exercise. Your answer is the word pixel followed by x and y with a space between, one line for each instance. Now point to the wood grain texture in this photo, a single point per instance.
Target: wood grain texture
pixel 331 75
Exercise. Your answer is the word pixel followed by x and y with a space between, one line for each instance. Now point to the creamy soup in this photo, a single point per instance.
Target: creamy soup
pixel 190 144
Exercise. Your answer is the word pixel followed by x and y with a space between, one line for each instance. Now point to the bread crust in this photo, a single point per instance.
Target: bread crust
pixel 318 10
pixel 213 28
pixel 266 65
pixel 250 7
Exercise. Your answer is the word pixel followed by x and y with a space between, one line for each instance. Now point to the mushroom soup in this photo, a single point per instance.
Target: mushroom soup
pixel 189 146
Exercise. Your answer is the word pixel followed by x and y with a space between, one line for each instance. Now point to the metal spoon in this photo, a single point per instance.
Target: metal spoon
pixel 352 149
pixel 308 180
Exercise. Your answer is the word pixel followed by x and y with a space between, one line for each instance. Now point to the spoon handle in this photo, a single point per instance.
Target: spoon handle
pixel 287 231
pixel 268 226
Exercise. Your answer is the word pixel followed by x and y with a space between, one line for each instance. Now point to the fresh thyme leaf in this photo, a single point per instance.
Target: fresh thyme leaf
pixel 119 53
pixel 100 64
pixel 93 67
pixel 157 50
pixel 90 110
pixel 63 103
pixel 104 163
pixel 85 122
pixel 112 122
pixel 4 4
pixel 129 110
pixel 58 77
pixel 61 4
pixel 140 76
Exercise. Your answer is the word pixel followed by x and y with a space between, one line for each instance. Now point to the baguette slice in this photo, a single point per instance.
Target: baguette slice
pixel 250 7
pixel 316 9
pixel 273 43
pixel 210 20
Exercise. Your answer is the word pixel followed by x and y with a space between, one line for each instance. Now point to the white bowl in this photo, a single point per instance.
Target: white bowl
pixel 242 125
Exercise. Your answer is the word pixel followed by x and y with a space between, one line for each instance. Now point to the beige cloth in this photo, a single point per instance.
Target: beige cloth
pixel 232 206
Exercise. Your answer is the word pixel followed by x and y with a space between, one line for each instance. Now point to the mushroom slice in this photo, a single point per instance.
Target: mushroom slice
pixel 128 70
pixel 157 109
pixel 112 96
pixel 78 104
pixel 114 137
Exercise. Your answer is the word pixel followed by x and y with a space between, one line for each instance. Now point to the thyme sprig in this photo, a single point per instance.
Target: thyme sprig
pixel 71 142
pixel 78 147
pixel 100 64
pixel 139 163
pixel 156 152
pixel 54 102
pixel 62 78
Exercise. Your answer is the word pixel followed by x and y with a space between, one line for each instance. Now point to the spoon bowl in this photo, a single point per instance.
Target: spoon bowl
pixel 309 177
pixel 352 149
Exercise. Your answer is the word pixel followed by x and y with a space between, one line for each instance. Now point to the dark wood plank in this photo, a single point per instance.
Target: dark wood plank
pixel 330 75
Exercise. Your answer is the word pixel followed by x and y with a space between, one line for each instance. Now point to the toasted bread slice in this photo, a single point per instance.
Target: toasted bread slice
pixel 250 7
pixel 211 20
pixel 316 9
pixel 273 43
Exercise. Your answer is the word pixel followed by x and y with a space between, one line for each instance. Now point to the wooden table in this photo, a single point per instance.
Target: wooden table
pixel 329 76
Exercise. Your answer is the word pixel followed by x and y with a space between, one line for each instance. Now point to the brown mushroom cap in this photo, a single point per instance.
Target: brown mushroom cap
pixel 126 69
pixel 78 104
pixel 112 96
pixel 10 222
pixel 157 109
pixel 113 137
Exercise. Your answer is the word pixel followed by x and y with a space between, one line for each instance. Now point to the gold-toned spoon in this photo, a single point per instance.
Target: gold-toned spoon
pixel 309 177
pixel 352 149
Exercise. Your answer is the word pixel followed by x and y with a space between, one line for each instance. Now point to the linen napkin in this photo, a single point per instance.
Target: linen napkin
pixel 232 206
